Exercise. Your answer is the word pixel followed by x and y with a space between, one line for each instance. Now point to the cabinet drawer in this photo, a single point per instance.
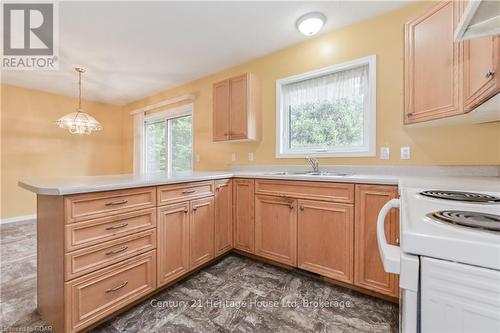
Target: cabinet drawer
pixel 180 192
pixel 82 234
pixel 93 205
pixel 338 192
pixel 96 295
pixel 93 258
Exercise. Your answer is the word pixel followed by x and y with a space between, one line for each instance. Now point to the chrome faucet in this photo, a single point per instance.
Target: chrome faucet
pixel 314 163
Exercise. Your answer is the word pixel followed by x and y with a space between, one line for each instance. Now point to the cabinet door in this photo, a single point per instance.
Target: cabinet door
pixel 481 66
pixel 276 228
pixel 432 69
pixel 172 242
pixel 243 214
pixel 368 269
pixel 201 232
pixel 326 239
pixel 223 216
pixel 221 111
pixel 238 119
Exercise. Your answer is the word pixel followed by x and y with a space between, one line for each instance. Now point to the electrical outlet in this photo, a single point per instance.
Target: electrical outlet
pixel 233 157
pixel 385 153
pixel 250 156
pixel 405 153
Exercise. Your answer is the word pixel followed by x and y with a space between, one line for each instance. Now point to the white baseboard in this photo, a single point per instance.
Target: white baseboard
pixel 14 219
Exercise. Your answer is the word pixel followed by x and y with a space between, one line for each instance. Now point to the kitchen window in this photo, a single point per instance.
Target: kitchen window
pixel 168 140
pixel 329 112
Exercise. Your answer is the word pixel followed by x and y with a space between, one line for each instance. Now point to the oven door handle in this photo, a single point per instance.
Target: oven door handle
pixel 390 254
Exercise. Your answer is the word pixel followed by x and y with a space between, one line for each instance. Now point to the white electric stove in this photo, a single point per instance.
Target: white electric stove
pixel 448 259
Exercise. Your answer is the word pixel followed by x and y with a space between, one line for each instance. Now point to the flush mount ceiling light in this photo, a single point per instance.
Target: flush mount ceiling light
pixel 311 23
pixel 79 122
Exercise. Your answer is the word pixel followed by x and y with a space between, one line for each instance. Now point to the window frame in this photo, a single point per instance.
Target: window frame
pixel 369 118
pixel 166 116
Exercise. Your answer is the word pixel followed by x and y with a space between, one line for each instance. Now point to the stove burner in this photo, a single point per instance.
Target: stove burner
pixel 469 219
pixel 461 196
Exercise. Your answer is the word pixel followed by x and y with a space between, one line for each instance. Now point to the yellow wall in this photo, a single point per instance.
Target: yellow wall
pixel 33 146
pixel 383 36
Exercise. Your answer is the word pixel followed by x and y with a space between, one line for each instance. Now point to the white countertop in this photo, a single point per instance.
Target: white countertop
pixel 73 185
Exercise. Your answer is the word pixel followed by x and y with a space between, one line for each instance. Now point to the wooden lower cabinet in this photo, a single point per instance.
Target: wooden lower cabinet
pixel 326 239
pixel 243 215
pixel 368 269
pixel 172 242
pixel 223 216
pixel 201 232
pixel 276 229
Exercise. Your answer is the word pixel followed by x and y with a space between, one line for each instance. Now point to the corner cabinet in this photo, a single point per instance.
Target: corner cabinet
pixel 243 215
pixel 223 216
pixel 444 78
pixel 368 268
pixel 236 108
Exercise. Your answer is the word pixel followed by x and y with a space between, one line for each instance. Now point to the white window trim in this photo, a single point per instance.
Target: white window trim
pixel 161 116
pixel 370 117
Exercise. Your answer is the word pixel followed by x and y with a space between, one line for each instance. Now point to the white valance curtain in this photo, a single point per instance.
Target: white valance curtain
pixel 138 142
pixel 349 83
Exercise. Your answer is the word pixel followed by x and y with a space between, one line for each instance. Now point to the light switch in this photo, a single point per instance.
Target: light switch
pixel 197 158
pixel 385 153
pixel 250 156
pixel 405 153
pixel 233 157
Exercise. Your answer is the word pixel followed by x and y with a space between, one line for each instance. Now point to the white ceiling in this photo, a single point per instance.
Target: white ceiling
pixel 135 49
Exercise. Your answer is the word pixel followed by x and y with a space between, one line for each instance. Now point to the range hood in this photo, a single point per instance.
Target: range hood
pixel 480 18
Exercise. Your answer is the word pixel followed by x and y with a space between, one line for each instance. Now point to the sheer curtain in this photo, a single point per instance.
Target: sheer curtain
pixel 344 84
pixel 139 142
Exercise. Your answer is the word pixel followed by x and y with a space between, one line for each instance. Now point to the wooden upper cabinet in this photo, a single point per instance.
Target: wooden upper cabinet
pixel 201 231
pixel 481 70
pixel 368 269
pixel 221 110
pixel 172 242
pixel 236 108
pixel 326 239
pixel 243 215
pixel 223 216
pixel 276 228
pixel 432 70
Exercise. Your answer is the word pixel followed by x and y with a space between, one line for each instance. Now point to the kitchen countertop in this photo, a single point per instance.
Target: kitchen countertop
pixel 86 184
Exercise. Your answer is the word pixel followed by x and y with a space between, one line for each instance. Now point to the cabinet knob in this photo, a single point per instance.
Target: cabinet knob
pixel 490 74
pixel 291 206
pixel 185 210
pixel 409 114
pixel 301 207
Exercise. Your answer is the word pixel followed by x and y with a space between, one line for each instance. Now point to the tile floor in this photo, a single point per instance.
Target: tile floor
pixel 236 294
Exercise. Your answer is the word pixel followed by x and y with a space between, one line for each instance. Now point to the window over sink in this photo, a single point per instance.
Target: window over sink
pixel 330 112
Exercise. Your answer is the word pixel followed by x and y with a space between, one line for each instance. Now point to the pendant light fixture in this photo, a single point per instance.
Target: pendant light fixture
pixel 79 122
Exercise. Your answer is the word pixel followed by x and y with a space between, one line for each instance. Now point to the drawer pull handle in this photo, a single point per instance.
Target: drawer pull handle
pixel 118 226
pixel 121 249
pixel 490 74
pixel 188 191
pixel 119 202
pixel 118 287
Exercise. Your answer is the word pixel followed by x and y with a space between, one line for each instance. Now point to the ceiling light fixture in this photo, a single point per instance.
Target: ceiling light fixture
pixel 310 24
pixel 79 122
